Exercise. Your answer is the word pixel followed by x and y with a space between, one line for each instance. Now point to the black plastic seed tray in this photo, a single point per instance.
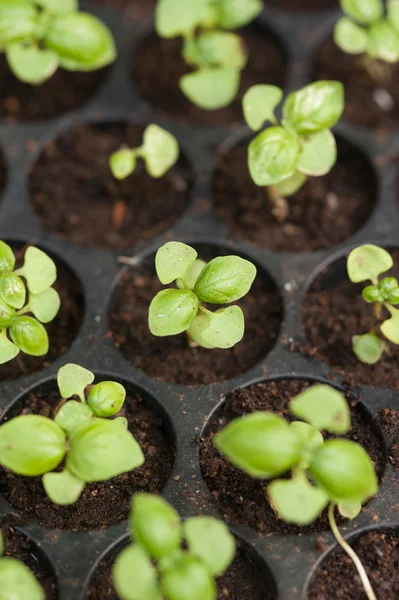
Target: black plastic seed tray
pixel 288 560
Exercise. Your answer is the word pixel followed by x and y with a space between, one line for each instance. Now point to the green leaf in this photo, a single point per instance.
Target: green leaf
pixel 134 576
pixel 261 444
pixel 363 11
pixel 31 445
pixel 259 103
pixel 18 20
pixel 201 322
pixel 188 578
pixel 296 500
pixel 45 305
pixel 122 421
pixel 29 335
pixel 318 154
pixel 315 107
pixel 7 314
pixel 311 439
pixel 55 6
pixel 372 293
pixel 192 274
pixel 172 261
pixel 368 262
pixel 273 156
pixel 350 510
pixel 351 38
pixel 172 312
pixel 393 13
pixel 216 49
pixel 62 488
pixel 160 150
pixel 390 328
pixel 106 398
pixel 234 14
pixel 31 64
pixel 368 348
pixel 211 89
pixel 383 42
pixel 102 450
pixel 8 350
pixel 7 258
pixel 323 407
pixel 17 582
pixel 225 328
pixel 39 270
pixel 122 163
pixel 72 380
pixel 291 185
pixel 72 415
pixel 211 541
pixel 12 290
pixel 345 471
pixel 225 279
pixel 156 525
pixel 175 18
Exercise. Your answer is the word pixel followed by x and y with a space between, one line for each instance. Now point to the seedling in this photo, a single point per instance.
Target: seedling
pixel 27 333
pixel 221 281
pixel 160 151
pixel 336 472
pixel 17 582
pixel 93 446
pixel 170 560
pixel 38 36
pixel 367 263
pixel 284 155
pixel 216 55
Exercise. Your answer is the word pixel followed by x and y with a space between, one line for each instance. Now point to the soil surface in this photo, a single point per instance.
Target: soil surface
pixel 241 497
pixel 303 4
pixel 136 9
pixel 371 101
pixel 101 504
pixel 389 419
pixel 326 211
pixel 75 195
pixel 170 358
pixel 160 87
pixel 337 577
pixel 333 312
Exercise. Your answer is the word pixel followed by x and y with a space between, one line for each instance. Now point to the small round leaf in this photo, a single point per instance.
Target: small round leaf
pixel 216 49
pixel 17 582
pixel 134 575
pixel 8 350
pixel 368 262
pixel 292 185
pixel 188 578
pixel 192 274
pixel 363 11
pixel 315 107
pixel 225 328
pixel 7 314
pixel 211 89
pixel 194 332
pixel 296 500
pixel 39 270
pixel 234 14
pixel 160 150
pixel 45 306
pixel 106 398
pixel 211 541
pixel 259 103
pixel 172 312
pixel 18 20
pixel 351 38
pixel 29 335
pixel 62 488
pixel 12 290
pixel 323 407
pixel 225 279
pixel 383 42
pixel 7 258
pixel 172 261
pixel 72 415
pixel 311 439
pixel 273 156
pixel 390 327
pixel 31 64
pixel 318 154
pixel 122 163
pixel 368 348
pixel 156 525
pixel 73 379
pixel 175 18
pixel 350 510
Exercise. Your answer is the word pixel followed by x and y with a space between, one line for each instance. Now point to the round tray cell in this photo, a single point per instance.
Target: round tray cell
pixel 333 311
pixel 267 63
pixel 337 577
pixel 305 5
pixel 170 358
pixel 105 503
pixel 242 498
pixel 62 330
pixel 138 10
pixel 75 195
pixel 325 212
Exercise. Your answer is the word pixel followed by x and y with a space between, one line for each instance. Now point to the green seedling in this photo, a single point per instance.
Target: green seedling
pixel 284 155
pixel 221 281
pixel 367 263
pixel 17 582
pixel 170 560
pixel 336 472
pixel 23 292
pixel 39 36
pixel 92 446
pixel 216 56
pixel 160 151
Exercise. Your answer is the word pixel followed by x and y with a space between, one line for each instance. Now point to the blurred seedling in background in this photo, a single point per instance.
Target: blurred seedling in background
pixel 17 582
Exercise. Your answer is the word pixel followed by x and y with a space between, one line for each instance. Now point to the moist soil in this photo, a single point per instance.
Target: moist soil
pixel 337 576
pixel 101 504
pixel 303 4
pixel 170 358
pixel 326 211
pixel 389 419
pixel 361 89
pixel 75 195
pixel 19 546
pixel 160 87
pixel 136 9
pixel 242 498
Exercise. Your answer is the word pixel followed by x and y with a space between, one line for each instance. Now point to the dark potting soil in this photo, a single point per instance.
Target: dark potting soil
pixel 20 547
pixel 170 358
pixel 63 92
pixel 332 313
pixel 337 576
pixel 303 4
pixel 101 504
pixel 242 498
pixel 326 211
pixel 75 195
pixel 361 90
pixel 136 9
pixel 160 87
pixel 389 419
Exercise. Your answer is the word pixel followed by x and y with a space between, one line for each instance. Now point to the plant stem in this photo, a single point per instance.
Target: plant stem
pixel 280 208
pixel 379 71
pixel 352 554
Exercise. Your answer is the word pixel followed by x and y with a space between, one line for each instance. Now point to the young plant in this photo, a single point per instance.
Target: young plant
pixel 284 155
pixel 38 36
pixel 93 446
pixel 367 263
pixel 216 55
pixel 170 560
pixel 336 472
pixel 160 151
pixel 27 333
pixel 17 582
pixel 221 281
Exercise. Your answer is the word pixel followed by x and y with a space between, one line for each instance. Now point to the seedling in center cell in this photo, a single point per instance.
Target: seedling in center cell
pixel 93 446
pixel 367 263
pixel 170 560
pixel 216 55
pixel 336 472
pixel 221 281
pixel 17 582
pixel 284 155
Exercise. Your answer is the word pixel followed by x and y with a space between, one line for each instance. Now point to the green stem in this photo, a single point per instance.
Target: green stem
pixel 352 554
pixel 377 316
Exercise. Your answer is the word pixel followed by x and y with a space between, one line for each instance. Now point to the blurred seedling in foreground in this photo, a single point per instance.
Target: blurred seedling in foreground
pixel 17 582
